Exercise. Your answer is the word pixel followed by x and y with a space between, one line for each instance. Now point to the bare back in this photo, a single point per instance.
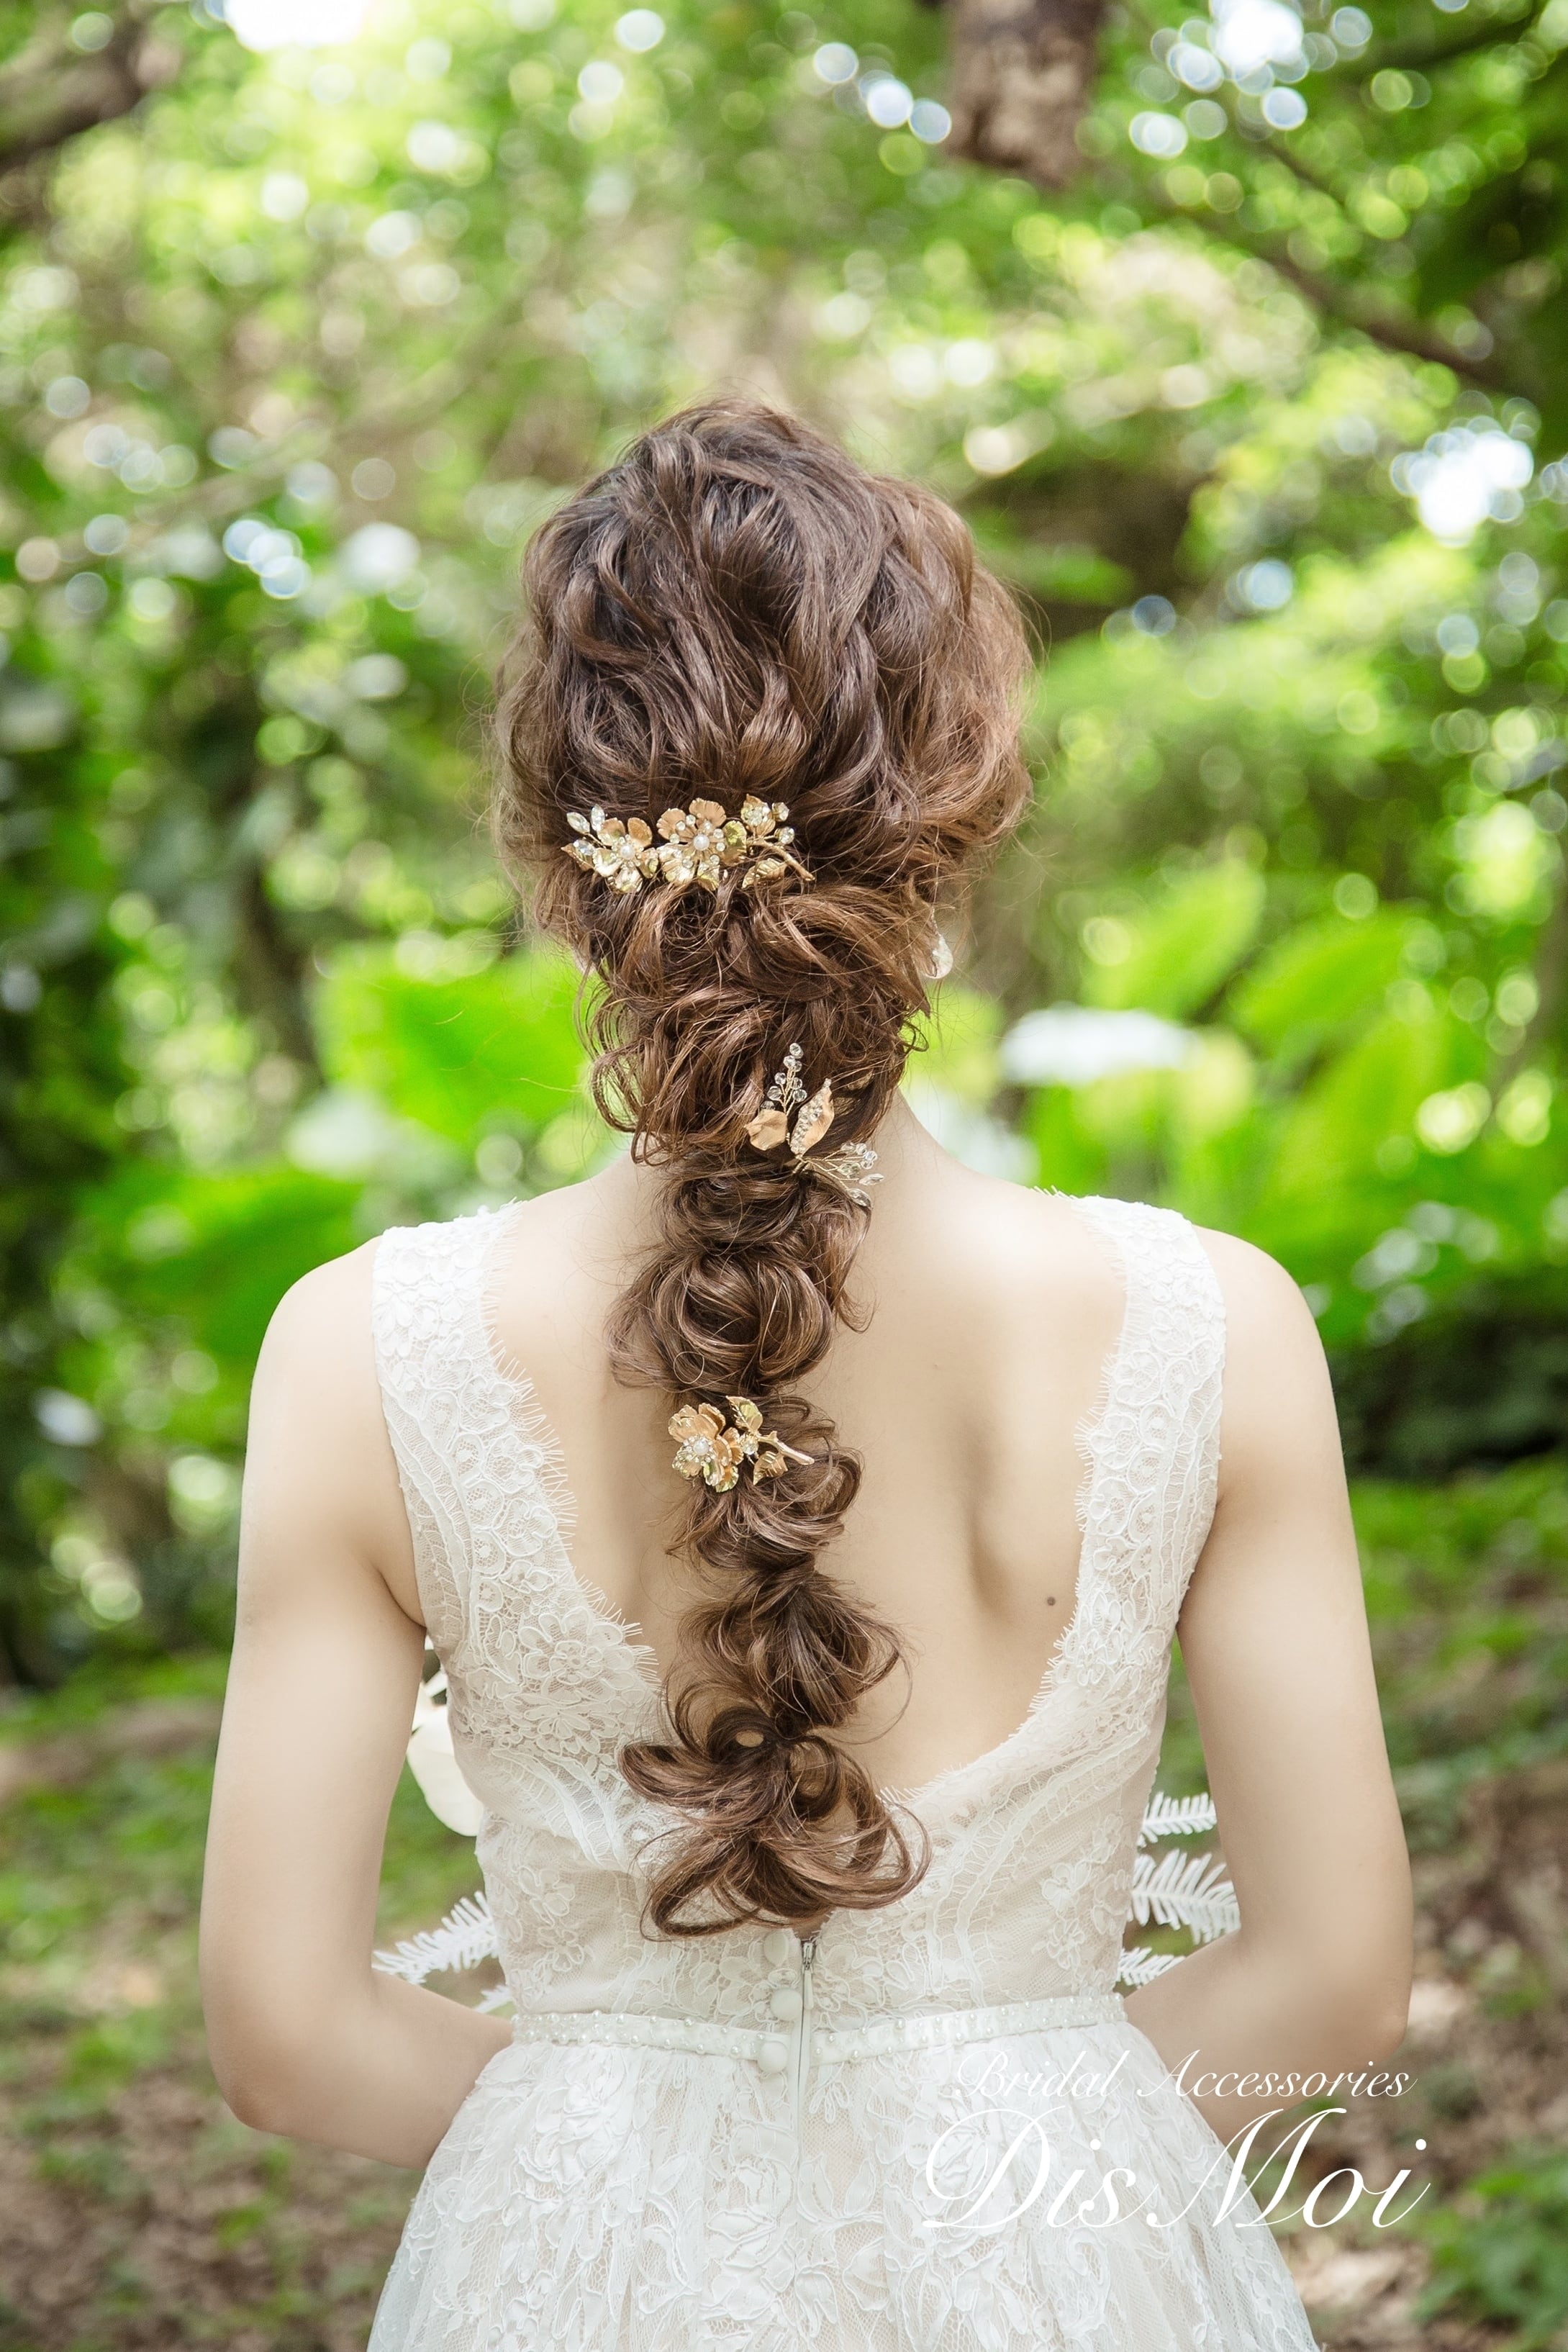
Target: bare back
pixel 993 1312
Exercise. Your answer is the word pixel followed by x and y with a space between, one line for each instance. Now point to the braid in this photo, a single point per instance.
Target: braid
pixel 735 608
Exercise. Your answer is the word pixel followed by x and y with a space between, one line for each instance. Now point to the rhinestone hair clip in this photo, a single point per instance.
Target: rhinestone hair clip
pixel 712 1449
pixel 697 845
pixel 791 1115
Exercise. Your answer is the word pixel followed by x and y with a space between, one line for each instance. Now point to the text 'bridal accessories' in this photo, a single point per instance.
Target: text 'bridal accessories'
pixel 698 845
pixel 710 1449
pixel 851 1168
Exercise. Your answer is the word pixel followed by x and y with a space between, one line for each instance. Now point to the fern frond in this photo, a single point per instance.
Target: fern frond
pixel 497 1997
pixel 464 1937
pixel 1141 1967
pixel 1184 1890
pixel 1177 1817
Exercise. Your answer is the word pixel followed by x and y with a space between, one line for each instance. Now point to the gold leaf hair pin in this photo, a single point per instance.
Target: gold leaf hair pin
pixel 790 1115
pixel 697 845
pixel 713 1450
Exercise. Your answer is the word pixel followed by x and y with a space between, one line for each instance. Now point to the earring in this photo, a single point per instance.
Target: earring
pixel 941 958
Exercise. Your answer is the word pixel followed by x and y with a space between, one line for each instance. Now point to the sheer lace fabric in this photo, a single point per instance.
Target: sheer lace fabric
pixel 711 2144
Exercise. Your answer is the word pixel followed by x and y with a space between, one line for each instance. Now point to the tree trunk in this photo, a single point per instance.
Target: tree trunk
pixel 51 92
pixel 1022 74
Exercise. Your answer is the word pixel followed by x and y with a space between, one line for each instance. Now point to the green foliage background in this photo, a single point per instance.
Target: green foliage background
pixel 293 358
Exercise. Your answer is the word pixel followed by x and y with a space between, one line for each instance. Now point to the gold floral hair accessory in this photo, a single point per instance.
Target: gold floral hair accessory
pixel 792 1116
pixel 714 1451
pixel 698 845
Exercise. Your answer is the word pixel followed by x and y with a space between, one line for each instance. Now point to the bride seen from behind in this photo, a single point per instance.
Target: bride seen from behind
pixel 802 1519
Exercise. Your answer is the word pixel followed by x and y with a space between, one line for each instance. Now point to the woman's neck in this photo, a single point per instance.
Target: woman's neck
pixel 631 1188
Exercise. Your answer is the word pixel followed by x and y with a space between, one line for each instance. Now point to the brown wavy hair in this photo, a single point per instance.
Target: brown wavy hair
pixel 735 608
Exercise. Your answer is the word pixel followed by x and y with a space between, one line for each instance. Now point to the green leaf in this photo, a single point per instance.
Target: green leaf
pixel 1316 982
pixel 1325 1147
pixel 218 1251
pixel 1500 2252
pixel 1182 947
pixel 493 1048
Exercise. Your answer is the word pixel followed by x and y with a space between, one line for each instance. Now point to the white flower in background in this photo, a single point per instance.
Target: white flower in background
pixel 351 1135
pixel 1073 1044
pixel 342 1132
pixel 1464 476
pixel 972 1136
pixel 434 1766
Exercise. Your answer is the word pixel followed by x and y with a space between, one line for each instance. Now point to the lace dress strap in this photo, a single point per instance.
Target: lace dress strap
pixel 534 1672
pixel 1153 1446
pixel 426 1317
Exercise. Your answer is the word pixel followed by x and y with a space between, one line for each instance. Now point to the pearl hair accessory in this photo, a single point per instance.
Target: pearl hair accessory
pixel 712 1450
pixel 697 845
pixel 790 1116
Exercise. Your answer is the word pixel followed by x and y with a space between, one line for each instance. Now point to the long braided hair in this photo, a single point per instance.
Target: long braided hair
pixel 735 608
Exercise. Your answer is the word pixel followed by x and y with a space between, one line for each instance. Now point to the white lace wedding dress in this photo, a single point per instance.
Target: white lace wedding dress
pixel 746 2141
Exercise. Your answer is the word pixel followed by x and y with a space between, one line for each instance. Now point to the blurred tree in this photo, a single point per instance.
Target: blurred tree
pixel 74 71
pixel 1260 415
pixel 1022 74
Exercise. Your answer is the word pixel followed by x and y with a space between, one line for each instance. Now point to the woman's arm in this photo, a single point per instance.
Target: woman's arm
pixel 306 2039
pixel 1274 1639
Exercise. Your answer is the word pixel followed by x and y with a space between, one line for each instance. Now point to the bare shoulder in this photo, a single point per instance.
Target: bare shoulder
pixel 311 1309
pixel 1261 1298
pixel 1030 1251
pixel 316 1375
pixel 1279 1400
pixel 318 1443
pixel 1018 1280
pixel 569 1250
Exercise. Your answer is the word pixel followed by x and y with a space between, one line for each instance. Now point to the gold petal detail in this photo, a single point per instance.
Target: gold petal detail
pixel 701 845
pixel 769 1129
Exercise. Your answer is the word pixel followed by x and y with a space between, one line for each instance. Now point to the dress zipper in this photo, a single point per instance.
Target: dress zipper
pixel 803 2047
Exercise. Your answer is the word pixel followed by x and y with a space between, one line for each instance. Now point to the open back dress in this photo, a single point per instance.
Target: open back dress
pixel 928 2128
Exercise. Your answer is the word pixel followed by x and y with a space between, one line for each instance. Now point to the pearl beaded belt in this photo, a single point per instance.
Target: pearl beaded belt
pixel 833 2044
